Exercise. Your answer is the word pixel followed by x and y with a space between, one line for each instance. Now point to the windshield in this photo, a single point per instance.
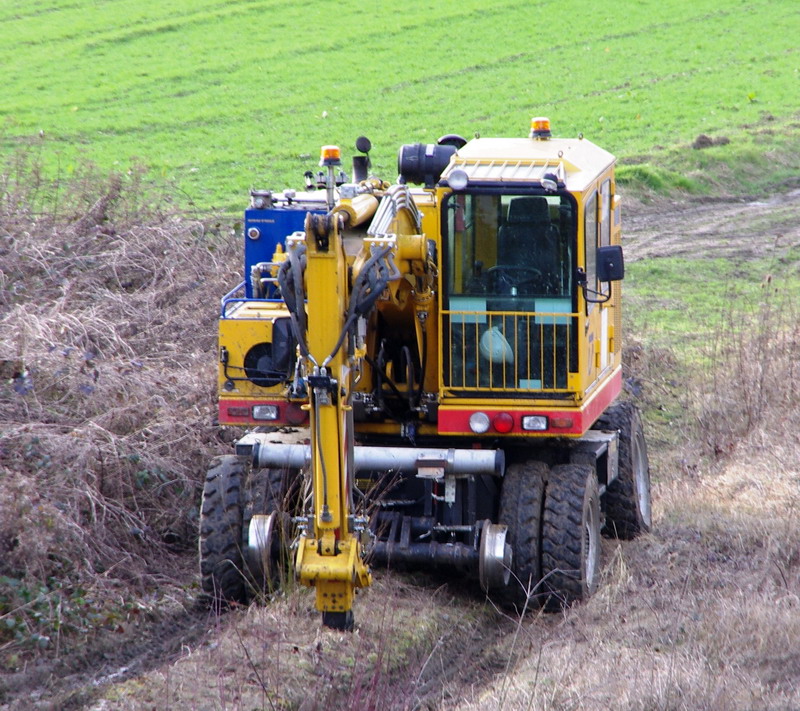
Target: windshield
pixel 509 306
pixel 510 246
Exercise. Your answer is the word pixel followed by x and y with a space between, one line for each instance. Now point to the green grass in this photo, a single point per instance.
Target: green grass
pixel 218 96
pixel 754 161
pixel 656 179
pixel 678 303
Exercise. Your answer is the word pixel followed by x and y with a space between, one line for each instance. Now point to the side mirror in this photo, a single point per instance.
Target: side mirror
pixel 610 263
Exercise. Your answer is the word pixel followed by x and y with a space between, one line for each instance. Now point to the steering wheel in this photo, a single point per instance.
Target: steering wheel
pixel 505 277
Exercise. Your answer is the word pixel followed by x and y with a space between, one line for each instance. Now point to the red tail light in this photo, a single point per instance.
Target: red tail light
pixel 503 422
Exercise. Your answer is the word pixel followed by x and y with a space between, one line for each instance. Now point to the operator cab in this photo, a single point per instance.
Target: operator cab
pixel 530 244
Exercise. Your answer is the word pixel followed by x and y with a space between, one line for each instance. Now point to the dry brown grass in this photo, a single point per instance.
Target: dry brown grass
pixel 700 614
pixel 752 380
pixel 413 647
pixel 107 339
pixel 107 321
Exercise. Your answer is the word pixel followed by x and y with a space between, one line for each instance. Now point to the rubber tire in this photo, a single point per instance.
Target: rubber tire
pixel 571 535
pixel 221 563
pixel 521 507
pixel 627 502
pixel 265 492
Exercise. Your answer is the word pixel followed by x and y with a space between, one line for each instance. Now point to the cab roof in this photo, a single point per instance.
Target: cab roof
pixel 576 162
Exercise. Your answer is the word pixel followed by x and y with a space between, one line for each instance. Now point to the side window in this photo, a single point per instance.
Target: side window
pixel 590 241
pixel 605 224
pixel 605 214
pixel 472 225
pixel 461 242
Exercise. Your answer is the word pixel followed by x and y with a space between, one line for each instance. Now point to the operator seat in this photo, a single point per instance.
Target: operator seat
pixel 529 238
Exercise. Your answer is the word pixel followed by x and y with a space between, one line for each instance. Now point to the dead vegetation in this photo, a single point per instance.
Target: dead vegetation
pixel 702 613
pixel 752 378
pixel 107 313
pixel 107 335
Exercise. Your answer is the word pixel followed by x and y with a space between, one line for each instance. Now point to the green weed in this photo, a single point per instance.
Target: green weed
pixel 660 180
pixel 55 615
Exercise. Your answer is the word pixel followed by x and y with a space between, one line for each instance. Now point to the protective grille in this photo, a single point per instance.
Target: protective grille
pixel 508 351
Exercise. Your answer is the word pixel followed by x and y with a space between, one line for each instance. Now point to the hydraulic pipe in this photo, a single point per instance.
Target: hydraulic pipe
pixel 452 461
pixel 358 210
pixel 433 554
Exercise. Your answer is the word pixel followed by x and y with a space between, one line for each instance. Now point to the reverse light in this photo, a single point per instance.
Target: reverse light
pixel 534 423
pixel 265 412
pixel 503 422
pixel 479 422
pixel 330 155
pixel 540 127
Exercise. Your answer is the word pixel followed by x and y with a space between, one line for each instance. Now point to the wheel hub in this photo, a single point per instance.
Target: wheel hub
pixel 642 487
pixel 591 543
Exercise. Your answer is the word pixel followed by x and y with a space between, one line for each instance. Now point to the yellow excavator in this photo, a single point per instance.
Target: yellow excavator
pixel 429 372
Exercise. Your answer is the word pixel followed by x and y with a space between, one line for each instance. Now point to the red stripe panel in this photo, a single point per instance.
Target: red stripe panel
pixel 288 413
pixel 456 421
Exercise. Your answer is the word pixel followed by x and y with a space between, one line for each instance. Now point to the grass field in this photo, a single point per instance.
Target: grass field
pixel 220 95
pixel 108 306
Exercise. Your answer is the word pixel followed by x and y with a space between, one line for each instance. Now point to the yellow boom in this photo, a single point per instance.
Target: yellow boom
pixel 329 553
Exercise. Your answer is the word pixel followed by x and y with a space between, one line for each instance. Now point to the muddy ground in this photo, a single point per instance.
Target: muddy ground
pixel 702 613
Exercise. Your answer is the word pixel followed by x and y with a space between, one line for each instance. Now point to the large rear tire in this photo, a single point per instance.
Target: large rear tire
pixel 571 535
pixel 627 503
pixel 521 505
pixel 221 561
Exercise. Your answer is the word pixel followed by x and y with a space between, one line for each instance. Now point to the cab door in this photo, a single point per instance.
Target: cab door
pixel 598 327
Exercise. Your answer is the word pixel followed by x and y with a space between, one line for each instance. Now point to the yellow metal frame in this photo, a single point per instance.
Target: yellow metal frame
pixel 329 555
pixel 248 323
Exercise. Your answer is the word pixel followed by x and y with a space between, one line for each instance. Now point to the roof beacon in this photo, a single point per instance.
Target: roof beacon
pixel 540 128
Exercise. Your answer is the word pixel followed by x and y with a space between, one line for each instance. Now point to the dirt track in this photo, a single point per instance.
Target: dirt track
pixel 473 657
pixel 738 229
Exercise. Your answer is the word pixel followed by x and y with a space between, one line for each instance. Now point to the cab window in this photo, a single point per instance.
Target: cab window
pixel 590 241
pixel 513 246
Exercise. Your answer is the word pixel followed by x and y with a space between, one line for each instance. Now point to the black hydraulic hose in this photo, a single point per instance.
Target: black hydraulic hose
pixel 378 367
pixel 326 513
pixel 367 289
pixel 407 365
pixel 424 363
pixel 290 279
pixel 347 324
pixel 297 260
pixel 370 286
